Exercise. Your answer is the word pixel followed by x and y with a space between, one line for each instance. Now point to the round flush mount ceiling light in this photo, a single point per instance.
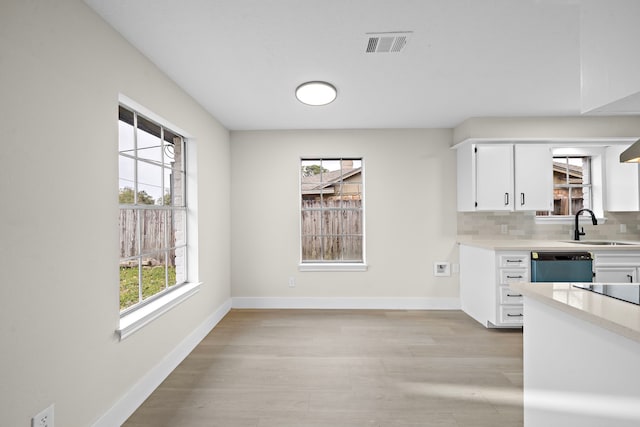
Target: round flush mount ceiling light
pixel 316 93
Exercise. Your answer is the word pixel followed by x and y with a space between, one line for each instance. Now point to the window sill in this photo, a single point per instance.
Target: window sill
pixel 137 319
pixel 332 267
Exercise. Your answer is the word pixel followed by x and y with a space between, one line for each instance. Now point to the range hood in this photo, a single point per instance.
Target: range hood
pixel 631 154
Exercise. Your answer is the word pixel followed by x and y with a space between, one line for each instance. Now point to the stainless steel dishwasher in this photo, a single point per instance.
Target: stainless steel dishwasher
pixel 561 267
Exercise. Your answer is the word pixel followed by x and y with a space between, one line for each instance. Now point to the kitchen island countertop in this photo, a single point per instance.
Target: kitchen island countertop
pixel 620 317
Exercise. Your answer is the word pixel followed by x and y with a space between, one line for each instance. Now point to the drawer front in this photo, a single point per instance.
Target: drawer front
pixel 514 275
pixel 516 260
pixel 511 314
pixel 509 296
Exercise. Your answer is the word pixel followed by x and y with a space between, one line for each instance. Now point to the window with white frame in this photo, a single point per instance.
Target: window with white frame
pixel 331 200
pixel 153 209
pixel 572 185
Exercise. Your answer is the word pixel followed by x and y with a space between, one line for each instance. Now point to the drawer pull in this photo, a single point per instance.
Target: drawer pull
pixel 514 277
pixel 515 260
pixel 514 295
pixel 514 315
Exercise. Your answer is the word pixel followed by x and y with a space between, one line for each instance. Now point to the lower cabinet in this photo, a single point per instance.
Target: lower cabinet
pixel 485 294
pixel 616 267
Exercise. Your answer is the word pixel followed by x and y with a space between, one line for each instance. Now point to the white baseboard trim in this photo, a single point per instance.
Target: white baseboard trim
pixel 348 303
pixel 127 405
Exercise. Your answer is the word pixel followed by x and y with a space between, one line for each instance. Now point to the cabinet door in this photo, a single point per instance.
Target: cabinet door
pixel 494 177
pixel 533 177
pixel 622 189
pixel 619 275
pixel 616 274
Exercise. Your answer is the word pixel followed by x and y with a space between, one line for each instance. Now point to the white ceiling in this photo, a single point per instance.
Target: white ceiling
pixel 243 59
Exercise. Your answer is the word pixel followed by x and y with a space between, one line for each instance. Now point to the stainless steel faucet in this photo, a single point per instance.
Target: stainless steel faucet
pixel 577 232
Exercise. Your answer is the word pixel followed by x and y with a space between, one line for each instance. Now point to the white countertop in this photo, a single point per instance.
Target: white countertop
pixel 617 316
pixel 545 245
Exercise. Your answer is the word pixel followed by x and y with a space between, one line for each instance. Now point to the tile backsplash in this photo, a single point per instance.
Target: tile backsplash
pixel 522 225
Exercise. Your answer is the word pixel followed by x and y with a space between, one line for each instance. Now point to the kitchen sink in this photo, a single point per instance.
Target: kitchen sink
pixel 601 242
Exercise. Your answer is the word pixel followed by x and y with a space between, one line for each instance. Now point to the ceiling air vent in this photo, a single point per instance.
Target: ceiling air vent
pixel 387 42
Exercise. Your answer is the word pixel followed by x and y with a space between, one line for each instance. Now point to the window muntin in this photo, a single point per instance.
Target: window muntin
pixel 572 185
pixel 331 191
pixel 152 209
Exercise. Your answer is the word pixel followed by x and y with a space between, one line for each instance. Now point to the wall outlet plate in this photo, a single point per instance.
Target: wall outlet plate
pixel 441 268
pixel 44 418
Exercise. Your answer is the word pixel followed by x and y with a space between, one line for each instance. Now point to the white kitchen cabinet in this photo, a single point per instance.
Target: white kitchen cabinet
pixel 616 274
pixel 622 182
pixel 504 177
pixel 485 276
pixel 616 267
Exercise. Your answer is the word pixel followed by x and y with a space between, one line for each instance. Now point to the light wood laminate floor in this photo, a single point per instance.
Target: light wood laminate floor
pixel 344 368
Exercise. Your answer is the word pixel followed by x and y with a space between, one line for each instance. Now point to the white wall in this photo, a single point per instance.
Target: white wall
pixel 410 215
pixel 61 71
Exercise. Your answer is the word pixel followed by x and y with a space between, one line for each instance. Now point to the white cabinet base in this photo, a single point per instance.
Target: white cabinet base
pixel 577 374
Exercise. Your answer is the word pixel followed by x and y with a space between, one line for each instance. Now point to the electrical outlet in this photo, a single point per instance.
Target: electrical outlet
pixel 504 228
pixel 441 268
pixel 44 418
pixel 292 282
pixel 623 228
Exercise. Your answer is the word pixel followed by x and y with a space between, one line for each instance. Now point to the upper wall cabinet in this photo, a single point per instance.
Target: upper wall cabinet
pixel 622 182
pixel 504 177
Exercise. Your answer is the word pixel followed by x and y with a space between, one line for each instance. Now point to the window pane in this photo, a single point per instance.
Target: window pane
pixel 149 183
pixel 332 222
pixel 311 248
pixel 128 233
pixel 311 222
pixel 129 284
pixel 575 170
pixel 126 175
pixel 352 220
pixel 171 155
pixel 179 262
pixel 332 248
pixel 153 230
pixel 149 148
pixel 577 200
pixel 154 273
pixel 177 221
pixel 125 138
pixel 352 248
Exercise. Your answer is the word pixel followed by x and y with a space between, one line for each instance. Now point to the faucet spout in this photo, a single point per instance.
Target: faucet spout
pixel 577 232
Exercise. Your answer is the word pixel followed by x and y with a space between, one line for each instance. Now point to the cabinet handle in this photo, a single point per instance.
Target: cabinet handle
pixel 506 199
pixel 514 295
pixel 515 260
pixel 521 199
pixel 514 277
pixel 630 278
pixel 514 315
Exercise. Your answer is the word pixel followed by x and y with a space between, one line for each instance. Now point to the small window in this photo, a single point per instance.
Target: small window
pixel 153 209
pixel 572 185
pixel 332 198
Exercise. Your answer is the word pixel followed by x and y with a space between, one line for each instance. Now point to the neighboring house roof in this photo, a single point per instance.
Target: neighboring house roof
pixel 312 184
pixel 574 170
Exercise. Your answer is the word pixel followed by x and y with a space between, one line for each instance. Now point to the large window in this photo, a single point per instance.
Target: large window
pixel 152 209
pixel 331 192
pixel 572 185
